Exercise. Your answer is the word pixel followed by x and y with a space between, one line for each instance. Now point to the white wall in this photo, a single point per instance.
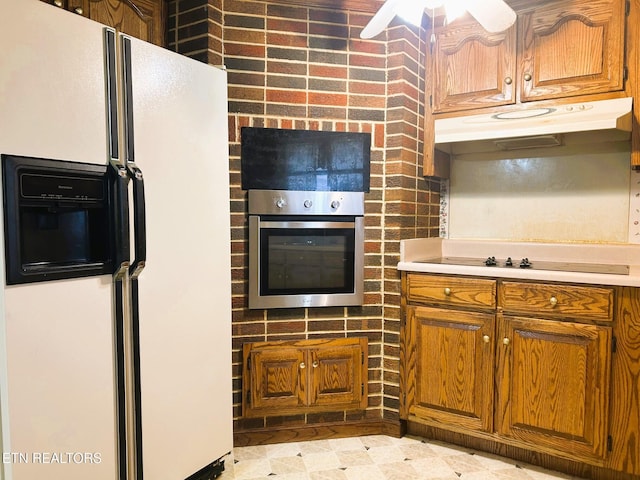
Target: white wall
pixel 568 194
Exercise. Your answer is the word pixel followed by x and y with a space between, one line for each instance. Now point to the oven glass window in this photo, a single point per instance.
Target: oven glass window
pixel 306 261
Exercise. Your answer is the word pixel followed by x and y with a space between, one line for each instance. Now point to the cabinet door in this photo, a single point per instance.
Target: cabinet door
pixel 453 367
pixel 473 68
pixel 276 379
pixel 571 48
pixel 338 376
pixel 143 19
pixel 553 385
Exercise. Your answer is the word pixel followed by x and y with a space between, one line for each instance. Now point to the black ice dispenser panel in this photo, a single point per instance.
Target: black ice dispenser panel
pixel 57 221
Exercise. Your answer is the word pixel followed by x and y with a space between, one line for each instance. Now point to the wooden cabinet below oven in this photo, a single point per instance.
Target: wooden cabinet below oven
pixel 547 367
pixel 292 377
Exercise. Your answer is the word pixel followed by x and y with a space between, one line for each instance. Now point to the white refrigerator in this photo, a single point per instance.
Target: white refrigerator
pixel 123 376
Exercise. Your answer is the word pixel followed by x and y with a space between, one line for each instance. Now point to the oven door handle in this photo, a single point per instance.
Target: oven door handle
pixel 298 224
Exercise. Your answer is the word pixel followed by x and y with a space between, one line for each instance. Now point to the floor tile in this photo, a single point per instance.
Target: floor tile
pixel 375 457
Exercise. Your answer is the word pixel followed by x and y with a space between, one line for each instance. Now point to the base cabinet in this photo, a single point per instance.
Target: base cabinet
pixel 553 382
pixel 454 362
pixel 284 378
pixel 532 369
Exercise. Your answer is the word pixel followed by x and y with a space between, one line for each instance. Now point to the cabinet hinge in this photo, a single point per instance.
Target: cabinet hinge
pixel 431 100
pixel 627 8
pixel 362 389
pixel 248 399
pixel 361 358
pixel 625 73
pixel 248 363
pixel 614 344
pixel 610 443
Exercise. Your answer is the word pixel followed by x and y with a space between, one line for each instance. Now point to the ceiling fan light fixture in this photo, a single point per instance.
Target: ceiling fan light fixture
pixel 412 11
pixel 454 9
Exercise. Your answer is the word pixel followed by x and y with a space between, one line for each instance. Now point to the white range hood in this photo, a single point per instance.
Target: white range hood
pixel 535 127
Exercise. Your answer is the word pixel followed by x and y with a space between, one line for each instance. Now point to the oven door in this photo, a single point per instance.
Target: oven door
pixel 309 262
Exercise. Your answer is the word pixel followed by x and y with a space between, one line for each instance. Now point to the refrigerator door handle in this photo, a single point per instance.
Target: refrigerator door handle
pixel 112 92
pixel 139 223
pixel 127 86
pixel 120 219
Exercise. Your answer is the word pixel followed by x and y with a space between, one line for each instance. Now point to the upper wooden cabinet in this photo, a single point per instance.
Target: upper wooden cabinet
pixel 143 19
pixel 555 50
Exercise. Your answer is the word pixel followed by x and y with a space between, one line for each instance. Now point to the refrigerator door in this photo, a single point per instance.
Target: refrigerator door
pixel 56 344
pixel 181 147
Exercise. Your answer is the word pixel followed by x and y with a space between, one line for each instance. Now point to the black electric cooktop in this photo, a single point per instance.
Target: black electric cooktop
pixel 525 263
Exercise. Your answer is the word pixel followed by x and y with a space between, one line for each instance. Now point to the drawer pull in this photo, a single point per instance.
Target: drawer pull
pixel 447 291
pixel 506 341
pixel 302 365
pixel 315 364
pixel 486 339
pixel 553 301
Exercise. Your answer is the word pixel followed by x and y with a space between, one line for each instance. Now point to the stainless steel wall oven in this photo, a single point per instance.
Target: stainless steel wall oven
pixel 306 248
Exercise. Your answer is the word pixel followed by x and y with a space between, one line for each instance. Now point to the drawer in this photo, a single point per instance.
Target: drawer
pixel 446 290
pixel 594 303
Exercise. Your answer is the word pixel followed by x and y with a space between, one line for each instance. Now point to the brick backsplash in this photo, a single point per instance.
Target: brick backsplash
pixel 304 67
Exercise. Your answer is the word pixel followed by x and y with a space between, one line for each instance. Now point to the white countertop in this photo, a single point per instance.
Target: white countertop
pixel 414 252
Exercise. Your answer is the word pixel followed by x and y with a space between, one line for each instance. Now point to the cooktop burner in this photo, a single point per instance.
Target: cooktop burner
pixel 525 263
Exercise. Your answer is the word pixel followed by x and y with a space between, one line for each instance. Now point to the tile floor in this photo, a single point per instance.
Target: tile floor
pixel 375 457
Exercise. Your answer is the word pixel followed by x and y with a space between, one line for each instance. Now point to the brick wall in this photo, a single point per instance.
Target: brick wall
pixel 302 67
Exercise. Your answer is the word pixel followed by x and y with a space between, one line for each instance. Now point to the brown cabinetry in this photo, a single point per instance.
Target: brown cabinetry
pixel 452 371
pixel 282 378
pixel 529 365
pixel 560 49
pixel 143 19
pixel 553 385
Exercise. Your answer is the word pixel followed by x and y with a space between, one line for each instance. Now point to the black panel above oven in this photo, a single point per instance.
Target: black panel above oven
pixel 305 160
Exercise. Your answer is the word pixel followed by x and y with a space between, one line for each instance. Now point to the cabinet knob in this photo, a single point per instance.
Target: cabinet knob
pixel 78 10
pixel 315 364
pixel 506 341
pixel 486 339
pixel 553 301
pixel 58 3
pixel 508 80
pixel 302 365
pixel 527 77
pixel 447 291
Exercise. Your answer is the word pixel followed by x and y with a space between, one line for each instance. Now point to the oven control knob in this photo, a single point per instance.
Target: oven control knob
pixel 308 203
pixel 335 204
pixel 280 203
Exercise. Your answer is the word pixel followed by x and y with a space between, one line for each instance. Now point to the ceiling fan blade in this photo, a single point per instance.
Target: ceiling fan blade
pixel 380 20
pixel 493 15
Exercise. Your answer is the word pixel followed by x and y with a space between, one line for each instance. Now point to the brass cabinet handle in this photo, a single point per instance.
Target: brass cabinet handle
pixel 527 77
pixel 506 341
pixel 486 339
pixel 553 301
pixel 508 80
pixel 58 3
pixel 447 291
pixel 78 10
pixel 315 364
pixel 302 365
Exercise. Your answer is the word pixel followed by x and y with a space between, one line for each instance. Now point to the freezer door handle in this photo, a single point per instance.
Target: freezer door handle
pixel 112 92
pixel 139 223
pixel 120 218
